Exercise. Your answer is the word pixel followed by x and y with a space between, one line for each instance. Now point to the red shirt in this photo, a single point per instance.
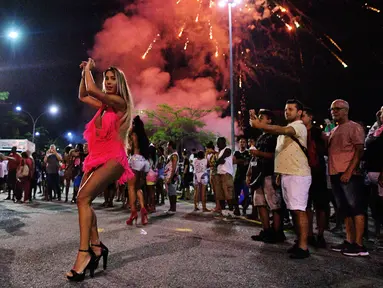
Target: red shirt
pixel 13 164
pixel 29 163
pixel 312 150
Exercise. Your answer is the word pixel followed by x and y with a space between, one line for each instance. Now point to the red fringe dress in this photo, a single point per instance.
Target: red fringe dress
pixel 105 143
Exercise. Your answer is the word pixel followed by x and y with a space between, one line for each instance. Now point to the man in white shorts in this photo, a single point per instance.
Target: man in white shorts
pixel 291 165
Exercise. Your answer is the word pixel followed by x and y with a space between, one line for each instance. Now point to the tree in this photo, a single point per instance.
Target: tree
pixel 4 96
pixel 10 125
pixel 178 124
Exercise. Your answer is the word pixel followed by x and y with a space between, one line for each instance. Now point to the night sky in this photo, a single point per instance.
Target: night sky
pixel 42 67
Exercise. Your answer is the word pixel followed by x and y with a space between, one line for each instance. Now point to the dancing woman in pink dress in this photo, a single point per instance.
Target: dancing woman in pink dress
pixel 106 163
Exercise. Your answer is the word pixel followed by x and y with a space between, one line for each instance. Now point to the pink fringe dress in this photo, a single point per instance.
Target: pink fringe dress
pixel 105 144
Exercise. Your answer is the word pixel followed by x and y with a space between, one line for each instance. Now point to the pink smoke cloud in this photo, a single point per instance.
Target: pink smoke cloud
pixel 124 40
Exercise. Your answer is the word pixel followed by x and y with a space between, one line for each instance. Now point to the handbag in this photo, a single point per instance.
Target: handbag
pixel 22 171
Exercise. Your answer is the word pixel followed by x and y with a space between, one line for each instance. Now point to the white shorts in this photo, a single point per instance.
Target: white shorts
pixel 373 177
pixel 295 190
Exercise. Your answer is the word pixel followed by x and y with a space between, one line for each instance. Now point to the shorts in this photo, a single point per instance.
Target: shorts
pixel 201 178
pixel 295 190
pixel 224 187
pixel 267 195
pixel 318 193
pixel 349 197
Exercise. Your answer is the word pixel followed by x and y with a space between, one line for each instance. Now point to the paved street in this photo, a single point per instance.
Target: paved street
pixel 38 244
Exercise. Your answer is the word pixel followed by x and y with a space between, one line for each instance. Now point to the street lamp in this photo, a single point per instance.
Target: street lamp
pixel 13 34
pixel 230 4
pixel 52 110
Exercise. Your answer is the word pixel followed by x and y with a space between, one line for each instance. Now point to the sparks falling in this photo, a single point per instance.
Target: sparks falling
pixel 211 31
pixel 186 44
pixel 216 51
pixel 150 47
pixel 339 60
pixel 181 31
pixel 371 8
pixel 333 42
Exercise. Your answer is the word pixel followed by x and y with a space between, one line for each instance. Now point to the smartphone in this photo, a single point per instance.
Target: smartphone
pixel 252 114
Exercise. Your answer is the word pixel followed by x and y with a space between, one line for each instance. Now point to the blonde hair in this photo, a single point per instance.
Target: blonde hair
pixel 123 91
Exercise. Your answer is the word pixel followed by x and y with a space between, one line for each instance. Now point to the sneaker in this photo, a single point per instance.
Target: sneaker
pixel 340 247
pixel 293 248
pixel 337 229
pixel 260 237
pixel 312 241
pixel 355 250
pixel 321 242
pixel 280 237
pixel 299 253
pixel 236 212
pixel 270 237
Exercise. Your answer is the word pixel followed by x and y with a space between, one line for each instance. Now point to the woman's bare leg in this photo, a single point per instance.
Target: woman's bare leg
pixel 141 199
pixel 93 186
pixel 196 196
pixel 203 195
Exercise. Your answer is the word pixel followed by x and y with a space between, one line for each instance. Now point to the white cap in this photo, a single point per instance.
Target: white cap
pixel 252 148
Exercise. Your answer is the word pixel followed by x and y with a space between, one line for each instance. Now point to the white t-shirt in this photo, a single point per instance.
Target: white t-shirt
pixel 289 157
pixel 227 167
pixel 191 163
pixel 5 162
pixel 2 170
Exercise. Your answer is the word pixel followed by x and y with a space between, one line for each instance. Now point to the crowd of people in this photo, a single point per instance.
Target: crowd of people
pixel 288 172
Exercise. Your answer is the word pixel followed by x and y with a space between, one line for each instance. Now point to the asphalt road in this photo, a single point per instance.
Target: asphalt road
pixel 38 245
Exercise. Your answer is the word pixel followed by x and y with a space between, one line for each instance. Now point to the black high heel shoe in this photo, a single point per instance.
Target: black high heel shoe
pixel 104 254
pixel 78 277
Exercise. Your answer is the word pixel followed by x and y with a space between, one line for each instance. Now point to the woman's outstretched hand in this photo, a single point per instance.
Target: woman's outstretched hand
pixel 82 66
pixel 90 64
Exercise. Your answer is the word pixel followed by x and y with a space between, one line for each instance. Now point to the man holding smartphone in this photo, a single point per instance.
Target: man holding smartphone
pixel 52 161
pixel 292 168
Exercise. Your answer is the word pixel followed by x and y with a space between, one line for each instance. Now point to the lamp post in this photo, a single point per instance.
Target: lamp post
pixel 52 110
pixel 230 4
pixel 13 36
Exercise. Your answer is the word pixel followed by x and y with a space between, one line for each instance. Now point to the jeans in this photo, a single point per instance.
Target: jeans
pixel 53 181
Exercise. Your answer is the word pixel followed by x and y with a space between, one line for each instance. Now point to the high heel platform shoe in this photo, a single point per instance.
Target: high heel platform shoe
pixel 78 277
pixel 104 254
pixel 133 216
pixel 144 216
